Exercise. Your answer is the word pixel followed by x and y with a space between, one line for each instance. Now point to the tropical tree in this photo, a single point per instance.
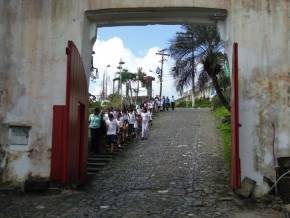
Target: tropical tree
pixel 114 100
pixel 182 49
pixel 140 78
pixel 202 82
pixel 203 47
pixel 127 78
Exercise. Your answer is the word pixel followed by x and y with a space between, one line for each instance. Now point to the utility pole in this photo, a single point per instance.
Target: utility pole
pixel 103 91
pixel 106 88
pixel 189 36
pixel 163 55
pixel 120 80
pixel 193 72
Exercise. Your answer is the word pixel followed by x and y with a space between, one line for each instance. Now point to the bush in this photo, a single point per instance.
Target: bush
pixel 216 102
pixel 94 104
pixel 202 103
pixel 185 104
pixel 225 128
pixel 115 101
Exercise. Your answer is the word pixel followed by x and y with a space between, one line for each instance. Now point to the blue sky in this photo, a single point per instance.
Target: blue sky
pixel 140 38
pixel 137 46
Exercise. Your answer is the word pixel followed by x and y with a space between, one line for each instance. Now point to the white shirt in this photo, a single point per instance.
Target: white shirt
pixel 106 116
pixel 125 116
pixel 111 127
pixel 138 111
pixel 132 118
pixel 115 114
pixel 145 116
pixel 150 105
pixel 120 122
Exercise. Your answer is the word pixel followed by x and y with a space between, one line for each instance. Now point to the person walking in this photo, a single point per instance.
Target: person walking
pixel 172 103
pixel 112 128
pixel 163 103
pixel 132 120
pixel 95 120
pixel 167 103
pixel 145 123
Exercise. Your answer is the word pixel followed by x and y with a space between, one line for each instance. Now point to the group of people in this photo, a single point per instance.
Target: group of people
pixel 163 104
pixel 118 125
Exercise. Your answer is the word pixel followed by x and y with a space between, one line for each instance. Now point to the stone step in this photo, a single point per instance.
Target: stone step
pixel 101 156
pixel 92 170
pixel 97 165
pixel 92 173
pixel 99 159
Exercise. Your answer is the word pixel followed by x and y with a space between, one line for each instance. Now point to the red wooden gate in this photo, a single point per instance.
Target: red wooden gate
pixel 70 126
pixel 235 163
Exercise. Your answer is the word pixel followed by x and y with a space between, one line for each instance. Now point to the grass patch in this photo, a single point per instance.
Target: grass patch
pixel 225 129
pixel 221 112
pixel 184 104
pixel 202 103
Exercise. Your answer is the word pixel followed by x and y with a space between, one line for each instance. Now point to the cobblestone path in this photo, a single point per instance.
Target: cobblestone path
pixel 178 172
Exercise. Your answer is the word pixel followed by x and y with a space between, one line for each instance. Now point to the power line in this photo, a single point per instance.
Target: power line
pixel 163 54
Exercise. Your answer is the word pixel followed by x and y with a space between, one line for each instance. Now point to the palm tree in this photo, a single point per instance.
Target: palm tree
pixel 127 78
pixel 206 48
pixel 182 49
pixel 140 77
pixel 202 82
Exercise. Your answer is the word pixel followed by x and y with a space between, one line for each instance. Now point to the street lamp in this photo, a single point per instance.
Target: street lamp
pixel 120 79
pixel 106 92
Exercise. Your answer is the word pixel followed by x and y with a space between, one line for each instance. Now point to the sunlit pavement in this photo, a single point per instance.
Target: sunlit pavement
pixel 178 172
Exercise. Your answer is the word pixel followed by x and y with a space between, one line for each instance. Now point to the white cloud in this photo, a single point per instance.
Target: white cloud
pixel 110 52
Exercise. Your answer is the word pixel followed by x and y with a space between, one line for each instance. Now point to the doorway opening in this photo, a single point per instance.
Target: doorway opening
pixel 112 23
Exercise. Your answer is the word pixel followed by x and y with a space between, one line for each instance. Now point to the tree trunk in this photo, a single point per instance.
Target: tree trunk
pixel 131 94
pixel 220 93
pixel 193 91
pixel 137 93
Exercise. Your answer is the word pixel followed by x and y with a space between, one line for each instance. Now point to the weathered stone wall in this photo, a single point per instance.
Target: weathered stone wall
pixel 262 30
pixel 101 4
pixel 33 36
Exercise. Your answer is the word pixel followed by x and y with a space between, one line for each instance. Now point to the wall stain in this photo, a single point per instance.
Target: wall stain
pixel 272 96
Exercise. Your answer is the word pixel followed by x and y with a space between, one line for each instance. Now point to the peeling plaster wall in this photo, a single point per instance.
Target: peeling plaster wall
pixel 33 38
pixel 101 4
pixel 261 28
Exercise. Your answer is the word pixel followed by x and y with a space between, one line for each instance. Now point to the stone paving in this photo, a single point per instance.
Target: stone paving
pixel 178 172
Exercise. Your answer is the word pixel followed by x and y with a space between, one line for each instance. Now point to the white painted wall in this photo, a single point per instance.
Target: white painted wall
pixel 262 30
pixel 33 37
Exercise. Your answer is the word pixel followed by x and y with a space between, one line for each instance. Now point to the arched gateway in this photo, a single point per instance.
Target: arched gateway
pixel 33 37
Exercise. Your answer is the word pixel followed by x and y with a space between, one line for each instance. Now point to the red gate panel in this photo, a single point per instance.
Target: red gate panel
pixel 57 142
pixel 235 160
pixel 73 142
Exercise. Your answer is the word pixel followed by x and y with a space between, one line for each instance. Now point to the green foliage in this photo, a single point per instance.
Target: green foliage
pixel 115 101
pixel 199 44
pixel 202 103
pixel 184 104
pixel 216 102
pixel 94 104
pixel 221 112
pixel 225 130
